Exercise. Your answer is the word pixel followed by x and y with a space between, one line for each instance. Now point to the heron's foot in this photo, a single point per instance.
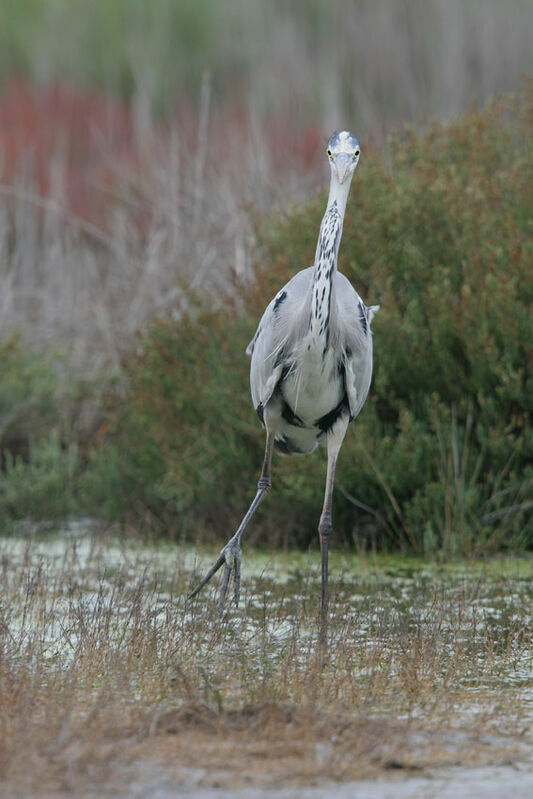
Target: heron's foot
pixel 230 558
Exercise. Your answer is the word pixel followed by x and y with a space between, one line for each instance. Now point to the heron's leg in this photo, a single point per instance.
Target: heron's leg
pixel 335 439
pixel 230 555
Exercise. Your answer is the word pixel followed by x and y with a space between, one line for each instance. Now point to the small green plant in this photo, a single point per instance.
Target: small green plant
pixel 27 389
pixel 38 454
pixel 43 488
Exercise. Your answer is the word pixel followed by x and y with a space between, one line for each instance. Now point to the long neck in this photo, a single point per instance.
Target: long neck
pixel 326 261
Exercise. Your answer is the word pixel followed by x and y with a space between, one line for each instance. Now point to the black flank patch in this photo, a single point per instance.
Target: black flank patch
pixel 327 421
pixel 291 417
pixel 279 300
pixel 260 411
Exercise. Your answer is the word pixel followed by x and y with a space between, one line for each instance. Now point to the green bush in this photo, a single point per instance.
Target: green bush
pixel 37 474
pixel 182 436
pixel 440 457
pixel 27 389
pixel 44 488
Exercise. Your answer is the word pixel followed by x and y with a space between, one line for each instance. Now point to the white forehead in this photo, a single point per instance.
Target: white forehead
pixel 345 138
pixel 343 142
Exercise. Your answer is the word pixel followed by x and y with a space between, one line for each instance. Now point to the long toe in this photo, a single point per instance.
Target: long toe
pixel 224 589
pixel 237 582
pixel 230 558
pixel 213 570
pixel 232 554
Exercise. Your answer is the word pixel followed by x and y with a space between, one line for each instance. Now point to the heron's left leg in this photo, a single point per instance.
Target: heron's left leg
pixel 334 442
pixel 230 556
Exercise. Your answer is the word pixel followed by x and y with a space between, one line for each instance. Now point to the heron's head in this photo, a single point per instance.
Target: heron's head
pixel 343 153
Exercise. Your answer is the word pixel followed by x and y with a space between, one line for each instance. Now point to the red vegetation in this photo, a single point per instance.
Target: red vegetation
pixel 84 150
pixel 63 138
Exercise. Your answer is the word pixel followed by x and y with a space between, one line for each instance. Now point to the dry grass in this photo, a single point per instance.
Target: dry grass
pixel 163 224
pixel 102 227
pixel 103 665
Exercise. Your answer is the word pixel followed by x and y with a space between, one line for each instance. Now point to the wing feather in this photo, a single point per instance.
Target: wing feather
pixel 282 324
pixel 285 322
pixel 354 319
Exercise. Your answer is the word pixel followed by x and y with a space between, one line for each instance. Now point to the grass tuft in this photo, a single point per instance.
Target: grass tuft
pixel 102 662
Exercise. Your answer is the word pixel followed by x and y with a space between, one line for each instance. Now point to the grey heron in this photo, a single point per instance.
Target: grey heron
pixel 311 365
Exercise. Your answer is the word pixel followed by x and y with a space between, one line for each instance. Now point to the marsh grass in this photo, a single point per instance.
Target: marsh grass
pixel 102 661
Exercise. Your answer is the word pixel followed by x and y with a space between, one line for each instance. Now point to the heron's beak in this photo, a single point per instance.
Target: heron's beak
pixel 342 162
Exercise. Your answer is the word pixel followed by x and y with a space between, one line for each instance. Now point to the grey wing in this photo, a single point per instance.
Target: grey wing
pixel 281 325
pixel 354 319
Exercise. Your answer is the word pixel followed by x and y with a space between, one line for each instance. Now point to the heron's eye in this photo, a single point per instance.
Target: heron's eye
pixel 329 152
pixel 356 155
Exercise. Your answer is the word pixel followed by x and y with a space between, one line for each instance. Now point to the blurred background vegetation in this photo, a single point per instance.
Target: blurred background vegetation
pixel 162 174
pixel 379 63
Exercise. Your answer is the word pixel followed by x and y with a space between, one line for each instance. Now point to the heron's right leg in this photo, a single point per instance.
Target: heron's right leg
pixel 334 440
pixel 230 555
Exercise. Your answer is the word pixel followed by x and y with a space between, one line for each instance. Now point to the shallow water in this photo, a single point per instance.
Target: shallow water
pixel 409 640
pixel 81 575
pixel 280 592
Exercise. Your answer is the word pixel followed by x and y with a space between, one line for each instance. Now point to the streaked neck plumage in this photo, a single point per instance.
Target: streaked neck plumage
pixel 326 261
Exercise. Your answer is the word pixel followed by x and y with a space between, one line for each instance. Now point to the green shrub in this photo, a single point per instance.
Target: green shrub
pixel 43 488
pixel 37 474
pixel 27 394
pixel 182 435
pixel 440 235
